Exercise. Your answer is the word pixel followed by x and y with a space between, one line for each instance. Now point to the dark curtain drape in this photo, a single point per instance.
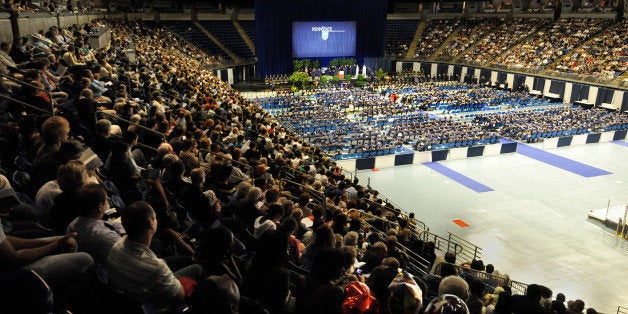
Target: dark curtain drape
pixel 485 76
pixel 604 95
pixel 624 103
pixel 539 84
pixel 557 87
pixel 426 68
pixel 501 77
pixel 442 69
pixel 457 71
pixel 518 81
pixel 273 28
pixel 579 92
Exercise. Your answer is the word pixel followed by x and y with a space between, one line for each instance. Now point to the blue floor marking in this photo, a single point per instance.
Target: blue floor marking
pixel 622 143
pixel 458 177
pixel 572 166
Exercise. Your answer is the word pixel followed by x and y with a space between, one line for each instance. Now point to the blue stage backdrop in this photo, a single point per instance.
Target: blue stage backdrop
pixel 273 28
pixel 323 39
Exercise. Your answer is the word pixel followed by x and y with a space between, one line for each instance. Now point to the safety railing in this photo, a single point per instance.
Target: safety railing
pixel 117 119
pixel 490 281
pixel 231 160
pixel 316 196
pixel 29 106
pixel 417 265
pixel 465 250
pixel 622 310
pixel 12 79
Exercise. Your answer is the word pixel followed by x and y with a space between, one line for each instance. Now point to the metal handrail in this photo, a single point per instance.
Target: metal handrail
pixel 320 198
pixel 146 146
pixel 415 261
pixel 449 245
pixel 9 98
pixel 142 145
pixel 490 281
pixel 622 310
pixel 52 108
pixel 110 116
pixel 232 161
pixel 398 209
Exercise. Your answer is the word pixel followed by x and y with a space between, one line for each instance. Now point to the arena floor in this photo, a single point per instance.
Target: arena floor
pixel 528 212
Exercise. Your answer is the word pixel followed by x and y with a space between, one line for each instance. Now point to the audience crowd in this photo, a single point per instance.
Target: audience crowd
pixel 217 206
pixel 531 125
pixel 502 38
pixel 470 32
pixel 435 33
pixel 605 56
pixel 547 45
pixel 344 120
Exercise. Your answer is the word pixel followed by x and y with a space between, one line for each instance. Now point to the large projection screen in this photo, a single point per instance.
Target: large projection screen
pixel 323 39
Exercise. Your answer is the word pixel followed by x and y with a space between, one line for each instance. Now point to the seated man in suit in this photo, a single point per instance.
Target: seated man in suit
pixel 134 269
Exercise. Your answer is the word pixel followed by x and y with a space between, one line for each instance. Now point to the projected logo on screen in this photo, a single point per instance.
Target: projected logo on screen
pixel 325 30
pixel 323 39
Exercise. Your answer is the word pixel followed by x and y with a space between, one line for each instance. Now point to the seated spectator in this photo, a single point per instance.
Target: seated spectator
pixel 268 280
pixel 54 131
pixel 94 235
pixel 268 221
pixel 576 306
pixel 323 238
pixel 196 201
pixel 71 177
pixel 134 269
pixel 215 294
pixel 374 256
pixel 321 294
pixel 530 303
pixel 215 253
pixel 51 258
pixel 454 285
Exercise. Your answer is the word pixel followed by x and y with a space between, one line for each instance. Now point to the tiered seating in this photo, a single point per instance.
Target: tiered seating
pixel 605 56
pixel 544 47
pixel 399 35
pixel 503 37
pixel 387 120
pixel 249 28
pixel 435 33
pixel 188 30
pixel 471 31
pixel 228 35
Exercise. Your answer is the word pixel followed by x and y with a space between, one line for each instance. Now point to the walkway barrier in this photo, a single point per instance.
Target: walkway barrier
pixel 464 250
pixel 490 281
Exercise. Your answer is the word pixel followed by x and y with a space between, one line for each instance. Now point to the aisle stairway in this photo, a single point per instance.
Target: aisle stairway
pixel 217 42
pixel 415 41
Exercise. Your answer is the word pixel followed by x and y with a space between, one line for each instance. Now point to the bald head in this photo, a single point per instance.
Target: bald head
pixel 164 148
pixel 454 285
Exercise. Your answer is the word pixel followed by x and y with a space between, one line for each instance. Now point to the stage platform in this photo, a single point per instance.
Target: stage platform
pixel 609 216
